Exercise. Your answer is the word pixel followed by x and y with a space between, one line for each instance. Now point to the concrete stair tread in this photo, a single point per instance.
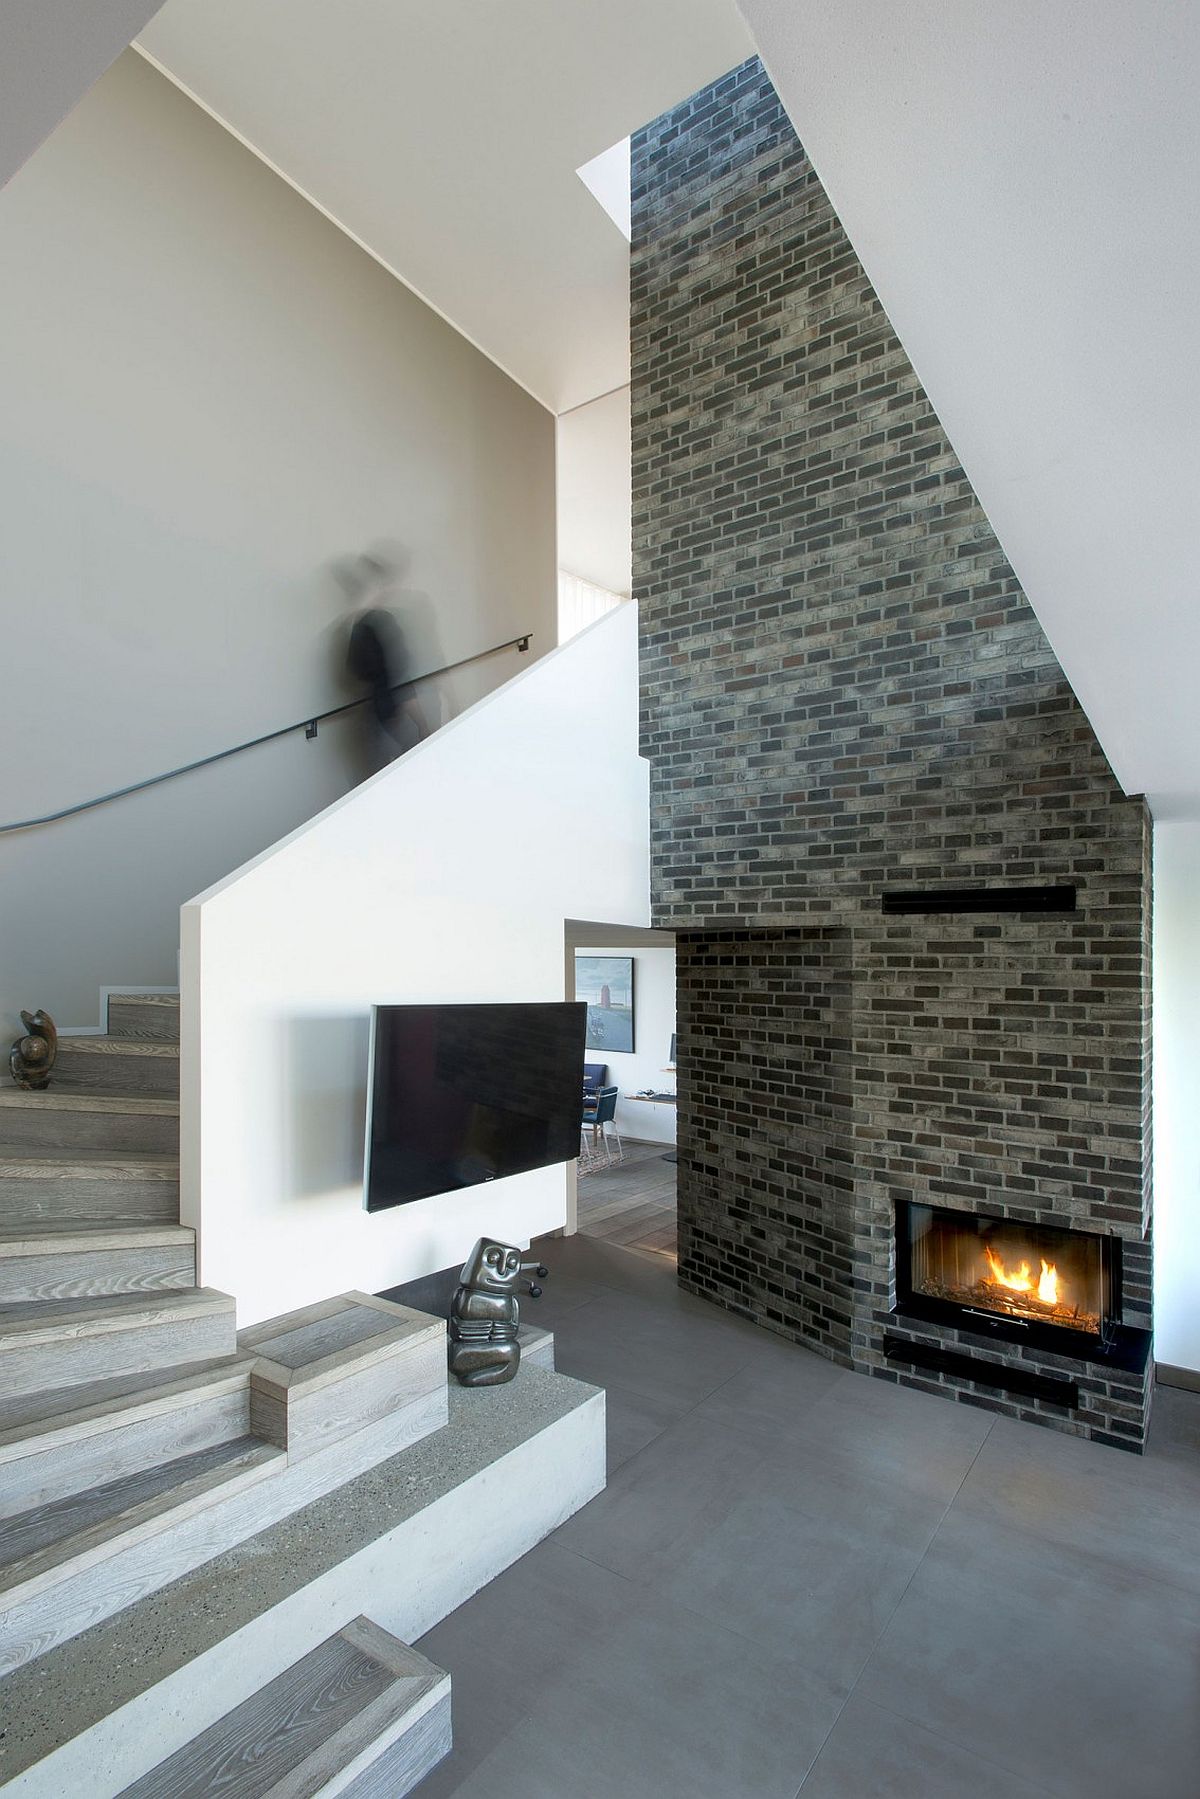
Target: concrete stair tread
pixel 361 1705
pixel 131 1166
pixel 110 1404
pixel 55 1318
pixel 55 1099
pixel 52 1542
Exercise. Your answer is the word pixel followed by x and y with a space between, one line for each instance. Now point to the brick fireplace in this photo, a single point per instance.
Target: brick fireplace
pixel 913 905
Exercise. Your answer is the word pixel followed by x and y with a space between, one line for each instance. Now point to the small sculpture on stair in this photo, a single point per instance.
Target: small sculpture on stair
pixel 32 1056
pixel 484 1316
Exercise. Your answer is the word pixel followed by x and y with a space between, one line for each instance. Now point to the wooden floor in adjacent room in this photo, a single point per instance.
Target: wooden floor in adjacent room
pixel 633 1202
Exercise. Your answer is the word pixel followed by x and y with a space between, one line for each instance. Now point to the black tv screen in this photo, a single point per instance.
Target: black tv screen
pixel 464 1094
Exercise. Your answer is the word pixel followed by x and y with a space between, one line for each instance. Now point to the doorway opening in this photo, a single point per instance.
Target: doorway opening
pixel 625 1178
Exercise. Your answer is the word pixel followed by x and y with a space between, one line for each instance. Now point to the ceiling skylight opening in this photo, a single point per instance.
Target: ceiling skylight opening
pixel 606 178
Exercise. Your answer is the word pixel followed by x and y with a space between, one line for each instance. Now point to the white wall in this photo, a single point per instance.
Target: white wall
pixel 646 1064
pixel 595 531
pixel 1177 1095
pixel 446 878
pixel 211 397
pixel 580 604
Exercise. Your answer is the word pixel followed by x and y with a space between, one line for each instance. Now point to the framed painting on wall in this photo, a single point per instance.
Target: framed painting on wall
pixel 606 984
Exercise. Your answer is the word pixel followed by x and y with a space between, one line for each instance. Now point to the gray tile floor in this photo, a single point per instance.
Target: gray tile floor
pixel 801 1580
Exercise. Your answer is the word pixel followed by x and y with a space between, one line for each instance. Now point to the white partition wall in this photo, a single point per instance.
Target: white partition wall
pixel 1176 1090
pixel 446 878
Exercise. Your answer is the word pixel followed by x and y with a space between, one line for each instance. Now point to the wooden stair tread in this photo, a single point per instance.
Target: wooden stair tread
pixel 152 1105
pixel 47 1543
pixel 302 1338
pixel 361 1705
pixel 306 1350
pixel 129 1166
pixel 132 1015
pixel 63 1233
pixel 119 1046
pixel 56 1318
pixel 110 1403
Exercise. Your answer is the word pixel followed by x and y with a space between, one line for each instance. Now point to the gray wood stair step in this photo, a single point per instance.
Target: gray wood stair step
pixel 63 1259
pixel 144 1015
pixel 361 1715
pixel 55 1100
pixel 334 1368
pixel 56 1443
pixel 74 1406
pixel 116 1065
pixel 63 1342
pixel 132 1167
pixel 92 1714
pixel 82 1186
pixel 361 1403
pixel 50 1545
pixel 66 1122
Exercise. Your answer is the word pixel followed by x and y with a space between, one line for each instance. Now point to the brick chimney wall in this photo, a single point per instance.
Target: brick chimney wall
pixel 845 691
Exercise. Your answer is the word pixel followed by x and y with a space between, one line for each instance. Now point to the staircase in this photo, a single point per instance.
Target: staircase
pixel 361 1715
pixel 138 1437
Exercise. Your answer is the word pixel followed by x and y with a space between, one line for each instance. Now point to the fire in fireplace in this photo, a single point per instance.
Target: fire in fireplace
pixel 960 1266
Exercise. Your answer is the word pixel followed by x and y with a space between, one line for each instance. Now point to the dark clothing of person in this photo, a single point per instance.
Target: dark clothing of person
pixel 375 655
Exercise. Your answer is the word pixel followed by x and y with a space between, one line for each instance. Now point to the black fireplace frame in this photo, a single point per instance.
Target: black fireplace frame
pixel 1057 1339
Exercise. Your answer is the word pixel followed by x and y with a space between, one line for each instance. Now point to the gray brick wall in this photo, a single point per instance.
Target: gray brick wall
pixel 845 690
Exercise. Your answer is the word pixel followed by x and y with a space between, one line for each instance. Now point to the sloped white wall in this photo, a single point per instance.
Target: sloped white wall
pixel 446 878
pixel 211 399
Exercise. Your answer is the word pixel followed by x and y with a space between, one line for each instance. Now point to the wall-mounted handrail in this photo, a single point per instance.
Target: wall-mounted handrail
pixel 307 725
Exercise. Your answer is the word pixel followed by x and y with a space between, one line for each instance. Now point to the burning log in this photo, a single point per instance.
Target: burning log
pixel 988 1296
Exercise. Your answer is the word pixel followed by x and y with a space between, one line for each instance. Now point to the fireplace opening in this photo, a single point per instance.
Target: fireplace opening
pixel 966 1267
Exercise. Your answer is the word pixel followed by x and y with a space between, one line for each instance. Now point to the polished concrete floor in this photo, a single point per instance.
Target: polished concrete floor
pixel 803 1581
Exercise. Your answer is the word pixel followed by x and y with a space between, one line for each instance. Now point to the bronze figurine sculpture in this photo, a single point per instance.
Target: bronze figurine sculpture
pixel 484 1316
pixel 32 1056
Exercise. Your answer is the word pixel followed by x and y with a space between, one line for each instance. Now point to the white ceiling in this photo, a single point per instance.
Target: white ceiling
pixel 1020 181
pixel 445 137
pixel 51 51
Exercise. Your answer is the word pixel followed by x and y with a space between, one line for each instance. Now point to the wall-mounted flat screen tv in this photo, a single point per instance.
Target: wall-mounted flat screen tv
pixel 463 1094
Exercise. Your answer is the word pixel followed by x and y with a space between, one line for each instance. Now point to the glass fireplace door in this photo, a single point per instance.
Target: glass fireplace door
pixel 1034 1274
